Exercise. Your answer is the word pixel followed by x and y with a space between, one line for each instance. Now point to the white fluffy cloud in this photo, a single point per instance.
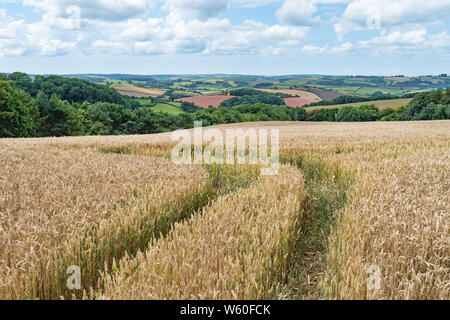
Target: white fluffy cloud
pixel 190 26
pixel 91 9
pixel 379 14
pixel 343 48
pixel 253 3
pixel 253 37
pixel 134 27
pixel 298 13
pixel 142 30
pixel 313 49
pixel 412 41
pixel 195 9
pixel 401 25
pixel 18 38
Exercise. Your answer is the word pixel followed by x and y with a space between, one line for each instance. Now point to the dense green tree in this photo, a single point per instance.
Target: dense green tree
pixel 328 115
pixel 429 106
pixel 184 121
pixel 251 97
pixel 436 96
pixel 110 118
pixel 22 81
pixel 70 90
pixel 446 97
pixel 440 112
pixel 351 99
pixel 299 114
pixel 393 115
pixel 348 114
pixel 146 121
pixel 368 112
pixel 207 118
pixel 19 115
pixel 244 92
pixel 189 107
pixel 417 105
pixel 59 118
pixel 427 113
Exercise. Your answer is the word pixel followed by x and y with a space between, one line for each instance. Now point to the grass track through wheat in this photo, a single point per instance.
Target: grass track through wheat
pixel 326 187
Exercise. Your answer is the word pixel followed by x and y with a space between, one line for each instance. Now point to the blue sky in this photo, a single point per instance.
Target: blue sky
pixel 270 37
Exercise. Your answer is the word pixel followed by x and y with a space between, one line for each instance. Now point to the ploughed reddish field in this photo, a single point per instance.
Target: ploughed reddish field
pixel 206 101
pixel 298 102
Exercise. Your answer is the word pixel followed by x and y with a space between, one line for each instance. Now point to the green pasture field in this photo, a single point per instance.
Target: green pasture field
pixel 170 108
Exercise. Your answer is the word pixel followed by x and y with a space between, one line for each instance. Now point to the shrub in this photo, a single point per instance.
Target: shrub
pixel 368 112
pixel 323 115
pixel 348 114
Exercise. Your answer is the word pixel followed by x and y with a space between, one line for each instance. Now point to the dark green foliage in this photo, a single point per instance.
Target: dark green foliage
pixel 22 81
pixel 250 97
pixel 263 85
pixel 189 107
pixel 446 97
pixel 264 112
pixel 110 119
pixel 368 112
pixel 67 89
pixel 323 115
pixel 427 112
pixel 417 105
pixel 145 121
pixel 348 114
pixel 351 99
pixel 241 83
pixel 392 115
pixel 436 96
pixel 59 118
pixel 385 112
pixel 425 106
pixel 244 92
pixel 19 115
pixel 429 106
pixel 171 95
pixel 442 112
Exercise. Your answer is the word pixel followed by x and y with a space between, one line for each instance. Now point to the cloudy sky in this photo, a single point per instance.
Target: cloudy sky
pixel 379 37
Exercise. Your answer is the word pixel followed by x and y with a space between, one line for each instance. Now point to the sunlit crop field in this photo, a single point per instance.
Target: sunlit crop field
pixel 349 198
pixel 139 92
pixel 380 104
pixel 299 93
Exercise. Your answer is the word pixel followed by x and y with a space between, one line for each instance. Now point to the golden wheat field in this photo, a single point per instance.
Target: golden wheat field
pixel 294 92
pixel 356 211
pixel 139 92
